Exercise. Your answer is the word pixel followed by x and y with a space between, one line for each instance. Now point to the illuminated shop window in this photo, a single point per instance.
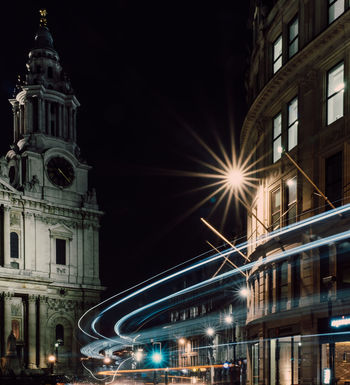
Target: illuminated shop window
pixel 277 137
pixel 277 54
pixel 14 245
pixel 335 9
pixel 255 363
pixel 293 37
pixel 285 360
pixel 275 209
pixel 292 124
pixel 335 93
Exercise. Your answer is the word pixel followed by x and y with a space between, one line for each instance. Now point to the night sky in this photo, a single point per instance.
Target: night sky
pixel 144 72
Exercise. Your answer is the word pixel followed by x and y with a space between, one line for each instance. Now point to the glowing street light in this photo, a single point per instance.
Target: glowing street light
pixel 210 331
pixel 182 341
pixel 51 359
pixel 107 360
pixel 138 355
pixel 244 292
pixel 228 319
pixel 157 357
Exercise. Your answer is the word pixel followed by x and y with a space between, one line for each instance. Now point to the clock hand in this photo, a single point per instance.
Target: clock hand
pixel 60 171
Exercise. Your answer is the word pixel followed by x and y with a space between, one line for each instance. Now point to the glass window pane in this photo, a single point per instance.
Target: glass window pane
pixel 292 111
pixel 273 366
pixel 335 108
pixel 60 252
pixel 14 249
pixel 276 200
pixel 277 65
pixel 293 30
pixel 285 360
pixel 292 190
pixel 277 54
pixel 292 136
pixel 336 80
pixel 277 48
pixel 277 144
pixel 277 126
pixel 335 9
pixel 293 48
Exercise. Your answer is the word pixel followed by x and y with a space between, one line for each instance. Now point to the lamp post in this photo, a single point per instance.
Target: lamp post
pixel 51 359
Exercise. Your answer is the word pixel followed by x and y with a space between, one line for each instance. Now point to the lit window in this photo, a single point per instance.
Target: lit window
pixel 293 37
pixel 335 93
pixel 335 9
pixel 60 251
pixel 292 124
pixel 277 54
pixel 291 200
pixel 277 137
pixel 14 249
pixel 275 209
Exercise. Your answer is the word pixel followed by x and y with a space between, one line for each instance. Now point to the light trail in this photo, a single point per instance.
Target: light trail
pixel 119 340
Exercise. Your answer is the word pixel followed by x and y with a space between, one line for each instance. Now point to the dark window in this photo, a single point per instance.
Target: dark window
pixel 275 209
pixel 282 285
pixel 334 179
pixel 49 72
pixel 324 272
pixel 296 280
pixel 14 245
pixel 60 251
pixel 343 268
pixel 60 334
pixel 293 37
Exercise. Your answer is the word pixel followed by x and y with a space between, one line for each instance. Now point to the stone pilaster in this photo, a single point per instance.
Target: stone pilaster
pixel 32 332
pixel 7 236
pixel 42 328
pixel 7 316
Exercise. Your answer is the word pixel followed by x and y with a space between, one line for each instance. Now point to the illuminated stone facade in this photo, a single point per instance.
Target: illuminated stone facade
pixel 49 219
pixel 299 103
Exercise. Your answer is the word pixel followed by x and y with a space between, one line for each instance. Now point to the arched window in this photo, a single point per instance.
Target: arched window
pixel 60 334
pixel 14 245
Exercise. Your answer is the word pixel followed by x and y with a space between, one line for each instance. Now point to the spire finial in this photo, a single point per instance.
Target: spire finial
pixel 43 19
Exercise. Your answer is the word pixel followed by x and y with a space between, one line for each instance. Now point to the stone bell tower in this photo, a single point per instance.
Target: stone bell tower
pixel 49 218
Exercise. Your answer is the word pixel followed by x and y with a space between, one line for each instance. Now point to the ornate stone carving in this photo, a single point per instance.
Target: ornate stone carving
pixel 15 218
pixel 16 309
pixel 61 304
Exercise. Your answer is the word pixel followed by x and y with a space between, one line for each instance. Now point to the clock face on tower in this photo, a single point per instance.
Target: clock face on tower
pixel 60 171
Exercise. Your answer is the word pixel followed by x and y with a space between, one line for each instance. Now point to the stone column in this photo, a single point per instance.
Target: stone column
pixel 48 118
pixel 59 120
pixel 41 115
pixel 29 241
pixel 7 236
pixel 70 128
pixel 42 328
pixel 7 316
pixel 32 332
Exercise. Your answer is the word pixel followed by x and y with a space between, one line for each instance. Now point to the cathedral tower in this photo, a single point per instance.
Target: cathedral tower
pixel 49 219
